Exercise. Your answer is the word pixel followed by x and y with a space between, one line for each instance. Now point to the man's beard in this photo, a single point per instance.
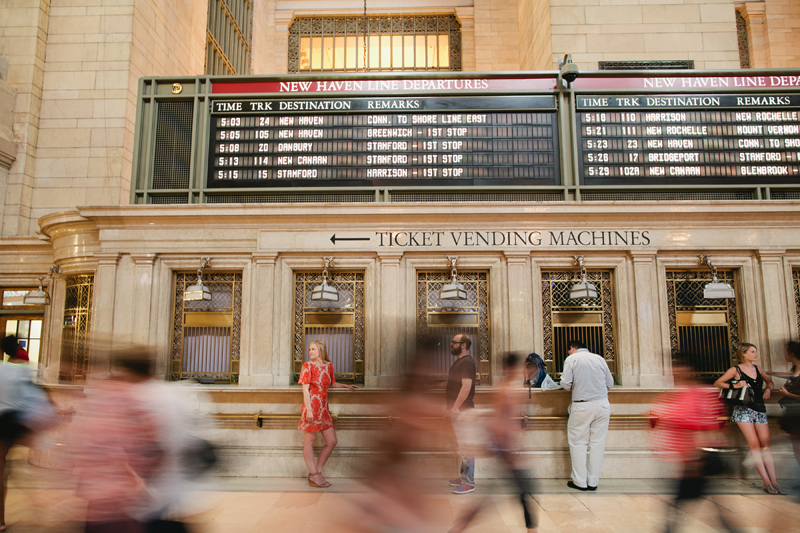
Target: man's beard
pixel 455 350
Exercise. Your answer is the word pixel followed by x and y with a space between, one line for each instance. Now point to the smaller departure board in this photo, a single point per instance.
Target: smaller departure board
pixel 718 139
pixel 465 141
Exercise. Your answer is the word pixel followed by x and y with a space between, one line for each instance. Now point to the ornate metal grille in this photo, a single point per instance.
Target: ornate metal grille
pixel 229 37
pixel 206 334
pixel 339 324
pixel 796 285
pixel 708 329
pixel 744 40
pixel 336 44
pixel 75 333
pixel 442 319
pixel 173 147
pixel 645 65
pixel 590 320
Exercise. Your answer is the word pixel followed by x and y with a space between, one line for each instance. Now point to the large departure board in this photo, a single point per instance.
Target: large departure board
pixel 425 141
pixel 715 139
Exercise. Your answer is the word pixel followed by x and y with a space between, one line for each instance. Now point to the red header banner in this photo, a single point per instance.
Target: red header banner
pixel 682 83
pixel 393 86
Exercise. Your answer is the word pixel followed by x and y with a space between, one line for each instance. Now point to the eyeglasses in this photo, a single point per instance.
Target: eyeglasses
pixel 456 342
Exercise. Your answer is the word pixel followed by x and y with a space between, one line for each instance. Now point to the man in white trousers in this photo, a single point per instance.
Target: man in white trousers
pixel 587 375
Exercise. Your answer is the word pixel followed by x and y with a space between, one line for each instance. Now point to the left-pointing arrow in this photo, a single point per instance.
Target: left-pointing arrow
pixel 334 238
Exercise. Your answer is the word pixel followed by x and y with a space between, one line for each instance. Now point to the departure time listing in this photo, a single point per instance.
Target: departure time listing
pixel 473 145
pixel 709 139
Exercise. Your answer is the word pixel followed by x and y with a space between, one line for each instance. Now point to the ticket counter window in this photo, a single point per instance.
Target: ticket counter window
pixel 796 287
pixel 443 319
pixel 207 333
pixel 706 329
pixel 339 324
pixel 23 321
pixel 78 295
pixel 590 320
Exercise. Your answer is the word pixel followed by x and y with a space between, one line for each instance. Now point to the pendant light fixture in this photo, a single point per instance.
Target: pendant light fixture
pixel 715 289
pixel 324 292
pixel 453 290
pixel 39 296
pixel 583 289
pixel 198 291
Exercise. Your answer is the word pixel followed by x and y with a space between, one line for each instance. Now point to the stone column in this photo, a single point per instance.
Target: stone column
pixel 466 16
pixel 520 302
pixel 142 295
pixel 257 370
pixel 653 358
pixel 390 359
pixel 105 286
pixel 754 14
pixel 777 311
pixel 283 19
pixel 103 294
pixel 54 322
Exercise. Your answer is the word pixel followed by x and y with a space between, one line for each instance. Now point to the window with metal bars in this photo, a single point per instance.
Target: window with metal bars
pixel 229 37
pixel 206 334
pixel 385 43
pixel 706 329
pixel 590 320
pixel 339 324
pixel 78 298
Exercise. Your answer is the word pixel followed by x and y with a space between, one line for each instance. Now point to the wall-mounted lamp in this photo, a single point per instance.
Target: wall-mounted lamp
pixel 198 291
pixel 583 289
pixel 323 291
pixel 715 289
pixel 453 290
pixel 569 70
pixel 39 296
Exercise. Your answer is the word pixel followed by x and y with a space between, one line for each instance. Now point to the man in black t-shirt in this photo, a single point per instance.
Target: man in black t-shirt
pixel 459 395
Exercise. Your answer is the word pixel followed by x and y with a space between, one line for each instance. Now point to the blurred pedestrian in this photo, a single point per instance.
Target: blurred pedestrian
pixel 397 500
pixel 790 402
pixel 460 394
pixel 119 450
pixel 752 418
pixel 588 376
pixel 14 349
pixel 13 376
pixel 687 422
pixel 316 377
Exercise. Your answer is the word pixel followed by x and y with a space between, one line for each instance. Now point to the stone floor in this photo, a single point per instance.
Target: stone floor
pixel 43 501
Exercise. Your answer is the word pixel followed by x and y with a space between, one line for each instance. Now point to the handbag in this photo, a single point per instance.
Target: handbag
pixel 741 396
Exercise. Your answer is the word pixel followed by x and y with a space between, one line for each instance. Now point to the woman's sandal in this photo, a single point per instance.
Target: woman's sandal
pixel 780 490
pixel 326 484
pixel 312 483
pixel 769 489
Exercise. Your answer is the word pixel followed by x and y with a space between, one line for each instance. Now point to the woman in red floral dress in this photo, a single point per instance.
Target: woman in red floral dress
pixel 316 377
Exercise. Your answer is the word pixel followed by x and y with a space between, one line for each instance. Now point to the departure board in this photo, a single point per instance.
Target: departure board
pixel 688 139
pixel 425 141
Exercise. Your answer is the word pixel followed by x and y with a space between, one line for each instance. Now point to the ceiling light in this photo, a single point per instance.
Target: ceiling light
pixel 324 292
pixel 583 289
pixel 715 289
pixel 39 296
pixel 198 291
pixel 453 290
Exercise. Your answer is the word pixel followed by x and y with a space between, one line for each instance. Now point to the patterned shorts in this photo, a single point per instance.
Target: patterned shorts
pixel 745 414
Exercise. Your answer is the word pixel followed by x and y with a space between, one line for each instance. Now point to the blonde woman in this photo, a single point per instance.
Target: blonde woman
pixel 317 377
pixel 752 418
